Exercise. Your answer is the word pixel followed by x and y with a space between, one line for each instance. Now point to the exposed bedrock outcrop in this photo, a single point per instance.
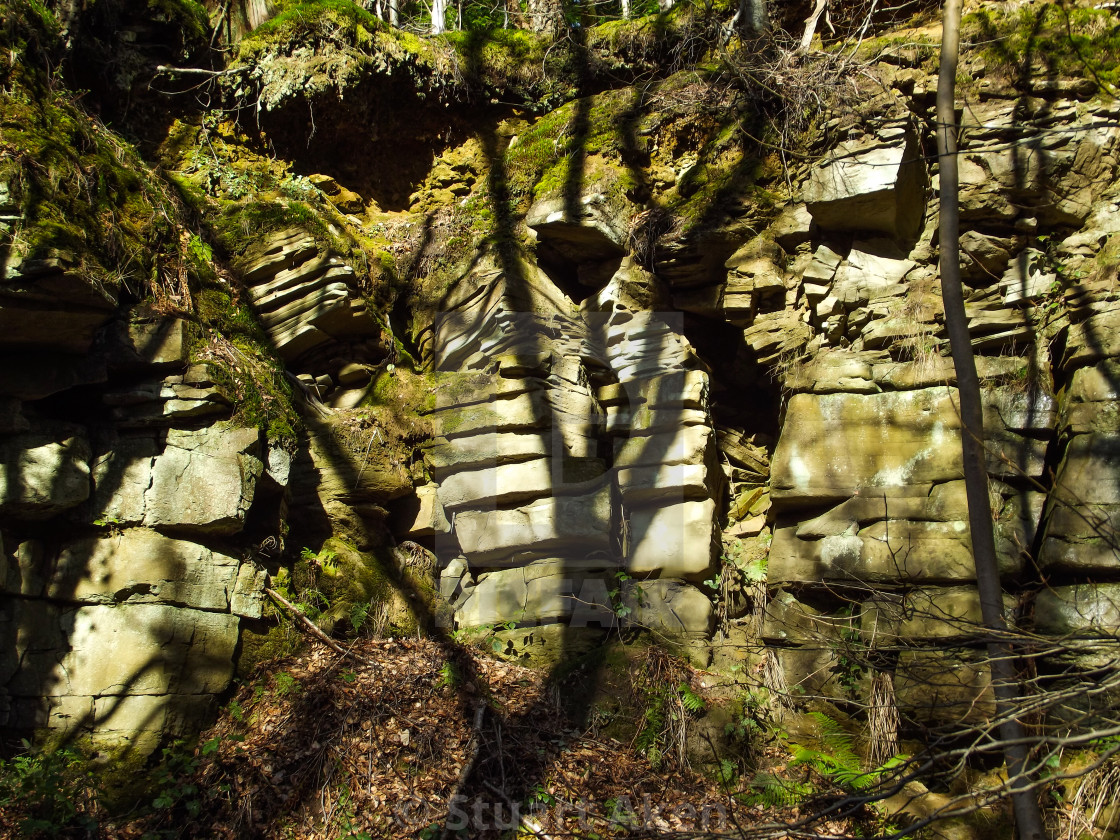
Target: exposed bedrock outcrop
pixel 573 447
pixel 124 508
pixel 630 408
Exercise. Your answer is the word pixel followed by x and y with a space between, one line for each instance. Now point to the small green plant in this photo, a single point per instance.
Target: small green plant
pixel 235 711
pixel 358 615
pixel 772 791
pixel 727 774
pixel 621 609
pixel 346 818
pixel 48 794
pixel 177 793
pixel 285 683
pixel 835 760
pixel 448 676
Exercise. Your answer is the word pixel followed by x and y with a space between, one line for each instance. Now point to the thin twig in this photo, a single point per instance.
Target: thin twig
pixel 310 627
pixel 199 71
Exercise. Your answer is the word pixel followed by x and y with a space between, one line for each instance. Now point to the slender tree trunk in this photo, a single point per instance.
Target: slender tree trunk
pixel 394 13
pixel 439 12
pixel 1028 819
pixel 626 9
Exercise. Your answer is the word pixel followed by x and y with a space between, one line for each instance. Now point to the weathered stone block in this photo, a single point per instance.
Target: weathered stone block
pixel 143 566
pixel 926 615
pixel 525 411
pixel 680 389
pixel 789 620
pixel 1092 399
pixel 121 477
pixel 485 449
pixel 884 552
pixel 577 525
pixel 936 687
pixel 666 484
pixel 683 445
pixel 1085 507
pixel 1094 339
pixel 247 598
pixel 545 590
pixel 513 483
pixel 42 474
pixel 145 649
pixel 205 480
pixel 595 232
pixel 646 421
pixel 157 344
pixel 869 187
pixel 678 541
pixel 1081 610
pixel 866 275
pixel 424 516
pixel 667 607
pixel 835 445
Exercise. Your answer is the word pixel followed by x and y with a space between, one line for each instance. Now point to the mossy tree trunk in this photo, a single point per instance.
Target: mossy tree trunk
pixel 1016 745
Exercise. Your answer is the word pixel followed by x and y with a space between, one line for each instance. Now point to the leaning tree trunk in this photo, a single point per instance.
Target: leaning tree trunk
pixel 811 26
pixel 1028 819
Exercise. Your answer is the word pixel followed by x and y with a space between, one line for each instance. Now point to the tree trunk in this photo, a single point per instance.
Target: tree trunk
pixel 439 12
pixel 1028 819
pixel 394 13
pixel 811 26
pixel 626 9
pixel 546 17
pixel 751 16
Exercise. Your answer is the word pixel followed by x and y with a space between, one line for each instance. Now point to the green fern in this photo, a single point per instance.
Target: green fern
pixel 771 791
pixel 691 701
pixel 836 760
pixel 650 732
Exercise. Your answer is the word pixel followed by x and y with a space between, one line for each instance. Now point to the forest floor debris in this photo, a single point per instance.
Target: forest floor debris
pixel 325 746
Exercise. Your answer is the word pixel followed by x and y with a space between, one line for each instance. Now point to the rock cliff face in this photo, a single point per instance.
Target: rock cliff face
pixel 608 365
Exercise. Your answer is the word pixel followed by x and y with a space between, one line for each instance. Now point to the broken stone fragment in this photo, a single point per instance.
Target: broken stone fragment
pixel 425 516
pixel 671 608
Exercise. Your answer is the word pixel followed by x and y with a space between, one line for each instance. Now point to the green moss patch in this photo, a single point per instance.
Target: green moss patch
pixel 1048 41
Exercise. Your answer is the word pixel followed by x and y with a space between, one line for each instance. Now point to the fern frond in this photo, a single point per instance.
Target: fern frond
pixel 691 701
